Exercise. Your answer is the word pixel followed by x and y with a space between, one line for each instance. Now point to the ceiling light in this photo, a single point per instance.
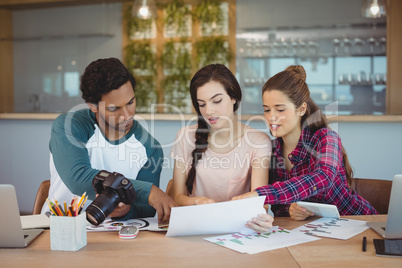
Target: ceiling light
pixel 144 9
pixel 373 8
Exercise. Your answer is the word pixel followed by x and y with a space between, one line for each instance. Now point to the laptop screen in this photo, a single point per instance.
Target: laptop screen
pixel 394 220
pixel 11 233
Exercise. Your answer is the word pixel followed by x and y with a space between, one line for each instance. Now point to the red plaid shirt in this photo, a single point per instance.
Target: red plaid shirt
pixel 318 175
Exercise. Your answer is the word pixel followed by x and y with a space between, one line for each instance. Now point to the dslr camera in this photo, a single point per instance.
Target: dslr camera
pixel 112 188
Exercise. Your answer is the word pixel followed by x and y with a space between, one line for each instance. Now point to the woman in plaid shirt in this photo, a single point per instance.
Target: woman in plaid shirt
pixel 308 160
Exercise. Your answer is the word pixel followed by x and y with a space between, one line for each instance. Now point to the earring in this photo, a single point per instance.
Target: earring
pixel 93 107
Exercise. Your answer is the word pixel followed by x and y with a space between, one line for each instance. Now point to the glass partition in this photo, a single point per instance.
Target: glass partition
pixel 342 52
pixel 52 47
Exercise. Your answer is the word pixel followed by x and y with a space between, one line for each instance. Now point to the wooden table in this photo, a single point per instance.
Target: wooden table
pixel 154 249
pixel 329 252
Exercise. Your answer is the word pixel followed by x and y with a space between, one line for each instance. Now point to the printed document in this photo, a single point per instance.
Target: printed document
pixel 215 218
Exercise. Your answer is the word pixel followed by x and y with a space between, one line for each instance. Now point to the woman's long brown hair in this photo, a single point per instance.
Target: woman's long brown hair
pixel 292 82
pixel 218 73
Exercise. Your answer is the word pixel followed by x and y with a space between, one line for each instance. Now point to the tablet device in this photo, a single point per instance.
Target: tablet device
pixel 321 210
pixel 388 247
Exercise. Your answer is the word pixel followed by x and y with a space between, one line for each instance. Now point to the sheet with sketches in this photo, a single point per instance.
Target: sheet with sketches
pixel 252 243
pixel 149 224
pixel 333 228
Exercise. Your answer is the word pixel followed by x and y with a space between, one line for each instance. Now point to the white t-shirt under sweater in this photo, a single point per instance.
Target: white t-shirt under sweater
pixel 79 151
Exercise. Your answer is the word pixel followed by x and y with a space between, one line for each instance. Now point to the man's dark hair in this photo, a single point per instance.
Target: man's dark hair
pixel 101 77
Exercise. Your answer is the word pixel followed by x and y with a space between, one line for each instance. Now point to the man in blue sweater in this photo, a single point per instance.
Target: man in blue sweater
pixel 106 137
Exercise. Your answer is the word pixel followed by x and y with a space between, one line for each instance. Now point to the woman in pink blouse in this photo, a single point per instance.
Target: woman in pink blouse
pixel 219 158
pixel 309 162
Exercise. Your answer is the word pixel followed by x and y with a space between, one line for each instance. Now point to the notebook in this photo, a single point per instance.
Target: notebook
pixel 11 233
pixel 35 221
pixel 392 229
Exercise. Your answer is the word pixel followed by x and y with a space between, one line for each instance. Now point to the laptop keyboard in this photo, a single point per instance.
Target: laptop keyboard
pixel 393 246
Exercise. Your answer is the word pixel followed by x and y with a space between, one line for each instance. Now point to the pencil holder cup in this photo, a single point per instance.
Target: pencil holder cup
pixel 68 233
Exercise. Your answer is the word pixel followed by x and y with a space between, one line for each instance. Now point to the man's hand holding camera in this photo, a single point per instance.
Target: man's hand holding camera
pixel 120 211
pixel 157 199
pixel 115 193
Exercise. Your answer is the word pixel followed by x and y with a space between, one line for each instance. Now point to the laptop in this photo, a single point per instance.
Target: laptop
pixel 392 229
pixel 11 233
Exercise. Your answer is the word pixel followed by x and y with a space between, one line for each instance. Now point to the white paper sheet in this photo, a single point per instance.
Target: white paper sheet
pixel 333 228
pixel 275 238
pixel 144 224
pixel 216 218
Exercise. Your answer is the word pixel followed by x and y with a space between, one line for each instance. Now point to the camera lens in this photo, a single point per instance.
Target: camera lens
pixel 102 206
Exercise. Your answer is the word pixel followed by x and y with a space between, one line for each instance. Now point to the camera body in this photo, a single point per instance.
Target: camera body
pixel 112 188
